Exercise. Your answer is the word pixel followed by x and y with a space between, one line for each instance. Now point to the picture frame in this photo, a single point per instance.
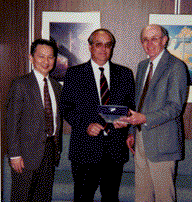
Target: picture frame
pixel 70 30
pixel 180 33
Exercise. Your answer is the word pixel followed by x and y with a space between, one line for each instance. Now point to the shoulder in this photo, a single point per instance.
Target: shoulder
pixel 176 66
pixel 79 71
pixel 22 80
pixel 120 68
pixel 174 60
pixel 143 63
pixel 79 67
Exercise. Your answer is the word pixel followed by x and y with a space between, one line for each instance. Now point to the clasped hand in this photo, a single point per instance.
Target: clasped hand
pixel 135 118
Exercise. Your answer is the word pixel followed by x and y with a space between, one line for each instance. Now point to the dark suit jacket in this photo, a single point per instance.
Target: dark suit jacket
pixel 163 106
pixel 80 103
pixel 26 121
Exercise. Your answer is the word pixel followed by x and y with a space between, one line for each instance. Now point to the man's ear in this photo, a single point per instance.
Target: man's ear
pixel 30 58
pixel 89 47
pixel 165 40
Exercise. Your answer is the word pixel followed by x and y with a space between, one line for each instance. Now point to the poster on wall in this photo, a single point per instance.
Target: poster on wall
pixel 70 30
pixel 180 33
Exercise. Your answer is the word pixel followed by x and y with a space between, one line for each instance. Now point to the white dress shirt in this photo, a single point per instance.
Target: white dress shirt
pixel 41 83
pixel 155 63
pixel 97 74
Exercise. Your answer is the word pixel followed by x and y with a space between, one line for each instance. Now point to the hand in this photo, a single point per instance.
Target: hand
pixel 130 143
pixel 135 118
pixel 119 124
pixel 94 129
pixel 17 164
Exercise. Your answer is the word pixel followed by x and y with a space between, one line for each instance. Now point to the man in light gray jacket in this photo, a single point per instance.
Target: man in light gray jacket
pixel 160 105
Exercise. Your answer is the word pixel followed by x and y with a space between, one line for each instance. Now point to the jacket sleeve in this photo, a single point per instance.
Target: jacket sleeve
pixel 14 112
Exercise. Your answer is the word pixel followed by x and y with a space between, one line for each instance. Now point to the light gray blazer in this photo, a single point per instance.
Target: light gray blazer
pixel 163 135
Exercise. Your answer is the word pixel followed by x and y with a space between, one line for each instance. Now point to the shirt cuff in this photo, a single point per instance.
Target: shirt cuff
pixel 15 157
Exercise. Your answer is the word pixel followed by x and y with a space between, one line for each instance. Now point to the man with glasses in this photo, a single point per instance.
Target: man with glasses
pixel 161 93
pixel 97 152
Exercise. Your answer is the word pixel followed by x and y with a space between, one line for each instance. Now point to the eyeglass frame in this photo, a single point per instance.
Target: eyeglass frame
pixel 152 40
pixel 107 45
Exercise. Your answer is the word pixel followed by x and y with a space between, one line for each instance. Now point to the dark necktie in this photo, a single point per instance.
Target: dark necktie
pixel 104 91
pixel 146 87
pixel 149 76
pixel 48 110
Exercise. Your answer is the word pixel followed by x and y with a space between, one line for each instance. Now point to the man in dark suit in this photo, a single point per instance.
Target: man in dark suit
pixel 97 157
pixel 34 127
pixel 160 102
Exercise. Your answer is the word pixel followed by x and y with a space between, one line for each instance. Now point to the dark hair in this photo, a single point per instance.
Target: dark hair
pixel 90 39
pixel 44 42
pixel 164 32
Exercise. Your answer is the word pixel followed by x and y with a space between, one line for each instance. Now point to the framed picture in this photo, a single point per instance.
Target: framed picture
pixel 70 30
pixel 180 33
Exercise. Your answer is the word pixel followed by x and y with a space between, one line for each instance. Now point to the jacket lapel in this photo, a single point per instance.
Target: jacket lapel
pixel 36 92
pixel 36 95
pixel 140 81
pixel 161 67
pixel 114 80
pixel 90 83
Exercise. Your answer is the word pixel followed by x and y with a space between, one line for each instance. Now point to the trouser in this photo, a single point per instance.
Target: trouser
pixel 106 173
pixel 154 181
pixel 35 185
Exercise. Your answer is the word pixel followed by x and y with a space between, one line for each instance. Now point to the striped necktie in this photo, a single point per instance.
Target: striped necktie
pixel 104 91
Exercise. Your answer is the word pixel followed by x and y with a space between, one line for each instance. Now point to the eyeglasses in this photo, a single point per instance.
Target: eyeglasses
pixel 153 40
pixel 106 45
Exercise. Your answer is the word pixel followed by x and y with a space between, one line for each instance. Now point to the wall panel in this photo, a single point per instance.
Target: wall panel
pixel 13 53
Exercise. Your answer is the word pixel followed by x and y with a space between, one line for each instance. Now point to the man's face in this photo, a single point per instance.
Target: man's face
pixel 101 48
pixel 152 41
pixel 43 60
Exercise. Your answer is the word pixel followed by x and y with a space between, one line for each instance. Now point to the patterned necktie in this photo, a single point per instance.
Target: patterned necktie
pixel 146 87
pixel 104 90
pixel 48 110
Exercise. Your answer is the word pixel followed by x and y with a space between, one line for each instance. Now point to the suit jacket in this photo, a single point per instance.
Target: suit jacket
pixel 80 101
pixel 26 121
pixel 163 106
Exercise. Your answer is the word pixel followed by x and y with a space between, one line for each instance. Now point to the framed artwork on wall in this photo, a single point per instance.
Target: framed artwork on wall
pixel 180 45
pixel 70 30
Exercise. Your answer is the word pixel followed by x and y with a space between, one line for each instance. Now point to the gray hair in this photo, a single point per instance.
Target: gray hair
pixel 90 39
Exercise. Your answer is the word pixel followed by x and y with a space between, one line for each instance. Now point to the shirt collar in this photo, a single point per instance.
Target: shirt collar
pixel 157 59
pixel 39 76
pixel 96 66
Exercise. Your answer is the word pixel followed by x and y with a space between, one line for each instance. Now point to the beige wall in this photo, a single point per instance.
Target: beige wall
pixel 124 18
